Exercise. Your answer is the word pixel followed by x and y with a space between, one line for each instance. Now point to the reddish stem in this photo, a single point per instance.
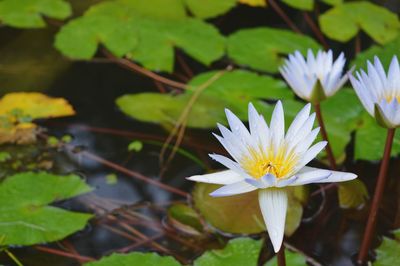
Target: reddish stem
pixel 281 256
pixel 284 16
pixel 315 29
pixel 64 254
pixel 324 135
pixel 380 187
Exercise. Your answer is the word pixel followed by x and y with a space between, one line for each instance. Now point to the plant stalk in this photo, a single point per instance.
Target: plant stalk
pixel 324 135
pixel 380 186
pixel 281 256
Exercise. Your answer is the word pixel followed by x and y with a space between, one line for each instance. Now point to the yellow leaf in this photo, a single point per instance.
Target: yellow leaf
pixel 35 105
pixel 352 194
pixel 254 2
pixel 24 133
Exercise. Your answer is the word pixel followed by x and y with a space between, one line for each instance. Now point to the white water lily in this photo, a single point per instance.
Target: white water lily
pixel 380 93
pixel 267 159
pixel 315 78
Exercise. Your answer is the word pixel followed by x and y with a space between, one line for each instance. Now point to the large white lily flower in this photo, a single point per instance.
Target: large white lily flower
pixel 315 78
pixel 380 93
pixel 267 159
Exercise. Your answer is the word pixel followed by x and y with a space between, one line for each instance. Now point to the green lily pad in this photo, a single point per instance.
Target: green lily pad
pixel 221 212
pixel 385 54
pixel 352 194
pixel 135 258
pixel 26 218
pixel 265 48
pixel 388 252
pixel 238 252
pixel 343 22
pixel 292 259
pixel 28 13
pixel 308 5
pixel 126 30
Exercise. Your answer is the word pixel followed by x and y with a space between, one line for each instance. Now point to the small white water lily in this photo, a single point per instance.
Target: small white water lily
pixel 380 93
pixel 267 159
pixel 315 78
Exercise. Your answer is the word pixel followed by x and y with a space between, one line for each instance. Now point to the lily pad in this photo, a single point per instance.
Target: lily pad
pixel 135 258
pixel 25 216
pixel 125 29
pixel 254 3
pixel 265 48
pixel 308 5
pixel 343 22
pixel 292 259
pixel 28 13
pixel 238 252
pixel 222 214
pixel 35 105
pixel 388 252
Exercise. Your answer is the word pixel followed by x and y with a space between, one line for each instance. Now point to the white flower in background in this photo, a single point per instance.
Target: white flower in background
pixel 315 78
pixel 268 160
pixel 380 93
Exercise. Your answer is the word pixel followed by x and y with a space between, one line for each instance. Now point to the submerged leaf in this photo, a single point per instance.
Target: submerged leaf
pixel 265 48
pixel 221 212
pixel 135 258
pixel 28 13
pixel 238 252
pixel 352 194
pixel 26 218
pixel 344 21
pixel 185 218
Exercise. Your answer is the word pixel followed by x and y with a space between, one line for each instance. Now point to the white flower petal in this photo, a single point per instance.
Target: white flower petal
pixel 273 204
pixel 233 189
pixel 298 121
pixel 221 178
pixel 277 125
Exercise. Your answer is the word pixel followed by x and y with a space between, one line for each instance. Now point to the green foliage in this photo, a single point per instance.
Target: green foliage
pixel 28 13
pixel 184 217
pixel 385 54
pixel 265 48
pixel 370 140
pixel 238 252
pixel 343 22
pixel 388 252
pixel 209 8
pixel 233 90
pixel 124 29
pixel 25 216
pixel 292 259
pixel 111 179
pixel 4 156
pixel 352 194
pixel 135 146
pixel 221 212
pixel 300 4
pixel 135 258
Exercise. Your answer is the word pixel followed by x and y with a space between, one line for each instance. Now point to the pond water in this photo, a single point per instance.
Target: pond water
pixel 131 213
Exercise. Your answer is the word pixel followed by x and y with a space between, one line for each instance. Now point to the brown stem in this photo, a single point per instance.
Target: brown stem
pixel 324 135
pixel 284 16
pixel 64 254
pixel 136 68
pixel 315 29
pixel 134 174
pixel 281 256
pixel 357 45
pixel 380 186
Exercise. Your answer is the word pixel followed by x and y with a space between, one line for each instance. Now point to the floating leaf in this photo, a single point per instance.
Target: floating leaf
pixel 233 90
pixel 135 258
pixel 370 140
pixel 209 8
pixel 300 4
pixel 111 179
pixel 4 156
pixel 124 30
pixel 388 252
pixel 221 212
pixel 254 3
pixel 385 54
pixel 28 13
pixel 352 194
pixel 26 218
pixel 265 48
pixel 292 259
pixel 343 22
pixel 35 105
pixel 238 252
pixel 135 145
